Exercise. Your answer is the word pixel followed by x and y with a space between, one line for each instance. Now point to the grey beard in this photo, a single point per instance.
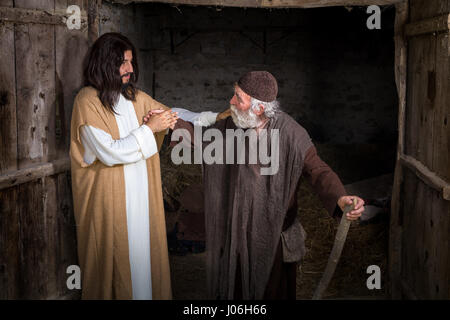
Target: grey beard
pixel 244 119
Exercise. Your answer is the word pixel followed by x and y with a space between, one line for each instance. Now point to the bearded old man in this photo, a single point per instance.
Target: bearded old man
pixel 253 236
pixel 116 180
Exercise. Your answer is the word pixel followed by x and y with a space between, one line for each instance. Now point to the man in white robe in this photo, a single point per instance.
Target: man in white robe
pixel 107 141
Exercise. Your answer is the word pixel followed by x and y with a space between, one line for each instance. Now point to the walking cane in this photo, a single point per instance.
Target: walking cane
pixel 333 260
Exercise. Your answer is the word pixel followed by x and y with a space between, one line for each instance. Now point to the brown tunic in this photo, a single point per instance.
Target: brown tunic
pixel 281 282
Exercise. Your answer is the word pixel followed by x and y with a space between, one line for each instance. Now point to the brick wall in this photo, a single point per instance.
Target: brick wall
pixel 335 76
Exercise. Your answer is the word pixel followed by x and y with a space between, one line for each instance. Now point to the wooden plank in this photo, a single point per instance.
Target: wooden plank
pixel 29 16
pixel 67 249
pixel 20 15
pixel 421 98
pixel 9 244
pixel 70 50
pixel 395 227
pixel 35 4
pixel 35 172
pixel 406 289
pixel 51 236
pixel 423 236
pixel 33 264
pixel 35 93
pixel 61 250
pixel 432 25
pixel 395 235
pixel 441 125
pixel 93 21
pixel 8 128
pixel 429 220
pixel 401 70
pixel 411 108
pixel 415 239
pixel 427 176
pixel 409 210
pixel 439 248
pixel 267 3
pixel 426 98
pixel 425 9
pixel 6 3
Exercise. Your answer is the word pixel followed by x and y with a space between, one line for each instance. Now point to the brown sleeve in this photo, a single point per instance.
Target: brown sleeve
pixel 324 181
pixel 181 124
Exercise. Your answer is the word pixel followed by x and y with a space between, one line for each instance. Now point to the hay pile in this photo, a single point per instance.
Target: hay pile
pixel 366 244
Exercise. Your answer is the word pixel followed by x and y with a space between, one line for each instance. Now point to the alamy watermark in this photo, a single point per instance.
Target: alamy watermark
pixel 374 20
pixel 74 280
pixel 374 281
pixel 74 20
pixel 261 149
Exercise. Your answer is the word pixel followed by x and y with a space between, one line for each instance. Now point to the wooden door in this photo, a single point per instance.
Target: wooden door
pixel 40 73
pixel 419 253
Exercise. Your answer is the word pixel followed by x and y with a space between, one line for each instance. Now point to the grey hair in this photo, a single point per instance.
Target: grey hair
pixel 270 108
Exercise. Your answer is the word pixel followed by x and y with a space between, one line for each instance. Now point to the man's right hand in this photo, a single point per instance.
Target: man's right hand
pixel 161 121
pixel 223 115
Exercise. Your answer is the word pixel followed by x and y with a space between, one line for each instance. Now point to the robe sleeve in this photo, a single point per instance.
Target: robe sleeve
pixel 139 144
pixel 324 181
pixel 203 119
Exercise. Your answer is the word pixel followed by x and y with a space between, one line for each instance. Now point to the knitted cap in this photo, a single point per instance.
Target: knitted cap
pixel 260 85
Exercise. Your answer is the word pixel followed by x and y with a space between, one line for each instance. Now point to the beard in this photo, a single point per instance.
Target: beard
pixel 125 87
pixel 244 119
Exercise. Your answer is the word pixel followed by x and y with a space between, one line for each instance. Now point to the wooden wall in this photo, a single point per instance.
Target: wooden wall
pixel 420 225
pixel 40 73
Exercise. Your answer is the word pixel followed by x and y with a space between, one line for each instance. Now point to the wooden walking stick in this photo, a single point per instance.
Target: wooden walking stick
pixel 333 260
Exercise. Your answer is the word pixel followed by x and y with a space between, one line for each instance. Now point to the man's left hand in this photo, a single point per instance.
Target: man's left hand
pixel 348 200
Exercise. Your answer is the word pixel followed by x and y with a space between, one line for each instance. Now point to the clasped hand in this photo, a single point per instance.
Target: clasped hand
pixel 357 211
pixel 159 119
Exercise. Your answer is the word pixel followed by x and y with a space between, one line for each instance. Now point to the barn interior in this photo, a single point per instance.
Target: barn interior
pixel 335 77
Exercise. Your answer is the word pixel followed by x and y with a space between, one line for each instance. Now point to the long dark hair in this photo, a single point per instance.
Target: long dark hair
pixel 102 69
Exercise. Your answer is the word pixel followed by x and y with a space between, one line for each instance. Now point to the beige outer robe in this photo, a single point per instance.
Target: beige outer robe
pixel 100 208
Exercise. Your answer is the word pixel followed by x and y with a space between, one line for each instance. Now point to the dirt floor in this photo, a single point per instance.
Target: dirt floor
pixel 367 244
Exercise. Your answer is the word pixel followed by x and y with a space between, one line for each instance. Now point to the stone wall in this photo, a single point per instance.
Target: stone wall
pixel 335 76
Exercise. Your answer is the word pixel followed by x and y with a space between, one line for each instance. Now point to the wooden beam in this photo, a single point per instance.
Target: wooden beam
pixel 395 228
pixel 432 25
pixel 19 15
pixel 426 175
pixel 32 173
pixel 267 3
pixel 93 22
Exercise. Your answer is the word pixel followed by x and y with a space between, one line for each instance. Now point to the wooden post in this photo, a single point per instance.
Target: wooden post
pixel 93 22
pixel 395 233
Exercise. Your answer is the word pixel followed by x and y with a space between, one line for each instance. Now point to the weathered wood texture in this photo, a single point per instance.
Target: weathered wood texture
pixel 420 225
pixel 395 228
pixel 432 25
pixel 93 20
pixel 40 73
pixel 70 51
pixel 8 132
pixel 425 245
pixel 37 231
pixel 269 3
pixel 49 17
pixel 38 171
